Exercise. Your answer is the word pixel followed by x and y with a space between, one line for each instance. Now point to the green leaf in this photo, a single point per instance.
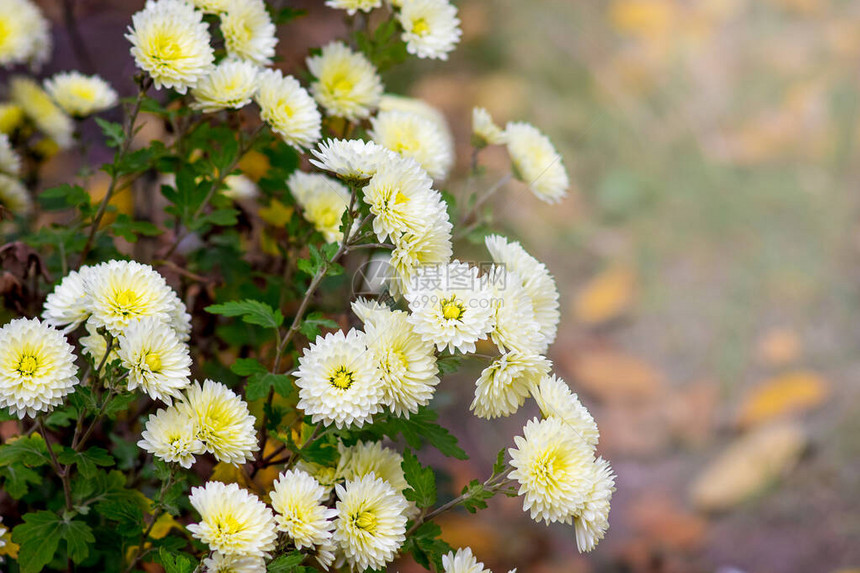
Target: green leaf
pixel 426 547
pixel 448 364
pixel 312 324
pixel 260 383
pixel 500 465
pixel 286 562
pixel 251 311
pixel 30 451
pixel 129 229
pixel 87 460
pixel 39 537
pixel 112 131
pixel 247 366
pixel 477 496
pixel 175 562
pixel 418 428
pixel 421 480
pixel 16 479
pixel 5 416
pixel 63 196
pixel 221 217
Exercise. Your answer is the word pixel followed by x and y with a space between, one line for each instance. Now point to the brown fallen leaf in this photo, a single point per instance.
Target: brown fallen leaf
pixel 782 396
pixel 607 296
pixel 748 466
pixel 661 520
pixel 779 347
pixel 612 376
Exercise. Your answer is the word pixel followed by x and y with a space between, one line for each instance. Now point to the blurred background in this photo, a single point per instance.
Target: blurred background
pixel 707 259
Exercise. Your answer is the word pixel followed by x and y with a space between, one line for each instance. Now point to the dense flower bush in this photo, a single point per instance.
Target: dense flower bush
pixel 195 380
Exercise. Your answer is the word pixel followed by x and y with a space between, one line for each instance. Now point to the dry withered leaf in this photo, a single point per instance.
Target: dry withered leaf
pixel 607 296
pixel 748 466
pixel 783 396
pixel 610 375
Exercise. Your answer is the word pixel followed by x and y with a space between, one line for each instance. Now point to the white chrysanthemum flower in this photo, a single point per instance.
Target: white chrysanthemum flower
pixel 95 345
pixel 505 384
pixel 412 135
pixel 323 201
pixel 25 35
pixel 365 458
pixel 450 305
pixel 371 523
pixel 171 436
pixel 536 162
pixel 338 380
pixel 42 111
pixel 233 520
pixel 225 426
pixel 249 32
pixel 298 501
pixel 592 521
pixel 288 109
pixel 536 280
pixel 515 326
pixel 120 291
pixel 230 85
pixel 401 197
pixel 462 562
pixel 351 159
pixel 353 6
pixel 555 400
pixel 326 476
pixel 431 28
pixel 220 563
pixel 406 362
pixel 79 95
pixel 211 6
pixel 178 317
pixel 10 162
pixel 171 43
pixel 551 464
pixel 37 367
pixel 367 309
pixel 347 84
pixel 430 247
pixel 392 102
pixel 156 360
pixel 14 197
pixel 484 130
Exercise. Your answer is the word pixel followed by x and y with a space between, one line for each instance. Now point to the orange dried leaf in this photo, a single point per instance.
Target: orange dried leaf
pixel 784 395
pixel 610 375
pixel 606 296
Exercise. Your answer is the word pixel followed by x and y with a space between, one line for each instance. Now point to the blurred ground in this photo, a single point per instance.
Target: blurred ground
pixel 707 261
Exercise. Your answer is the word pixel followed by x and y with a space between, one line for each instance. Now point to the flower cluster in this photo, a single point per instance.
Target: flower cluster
pixel 298 413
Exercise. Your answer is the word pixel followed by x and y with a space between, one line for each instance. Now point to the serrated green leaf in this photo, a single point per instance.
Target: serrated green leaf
pixel 175 562
pixel 247 367
pixel 112 131
pixel 421 480
pixel 123 226
pixel 286 563
pixel 251 311
pixel 39 537
pixel 16 479
pixel 418 428
pixel 87 460
pixel 313 323
pixel 259 385
pixel 477 496
pixel 500 465
pixel 28 450
pixel 426 547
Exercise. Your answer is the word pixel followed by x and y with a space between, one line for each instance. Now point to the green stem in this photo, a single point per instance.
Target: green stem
pixel 62 472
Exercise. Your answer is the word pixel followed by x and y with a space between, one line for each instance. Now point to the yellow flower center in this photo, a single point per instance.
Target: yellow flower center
pixel 453 309
pixel 83 91
pixel 341 84
pixel 124 301
pixel 420 27
pixel 153 361
pixel 342 378
pixel 28 365
pixel 366 521
pixel 4 32
pixel 165 48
